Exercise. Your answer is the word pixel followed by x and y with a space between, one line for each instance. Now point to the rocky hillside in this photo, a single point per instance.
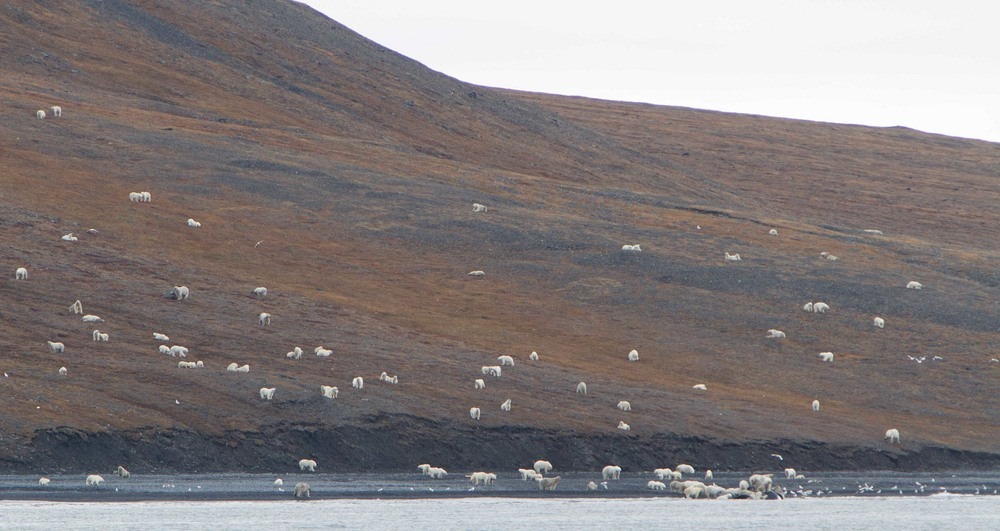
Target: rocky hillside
pixel 341 176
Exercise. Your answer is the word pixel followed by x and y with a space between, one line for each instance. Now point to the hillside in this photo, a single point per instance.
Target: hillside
pixel 341 176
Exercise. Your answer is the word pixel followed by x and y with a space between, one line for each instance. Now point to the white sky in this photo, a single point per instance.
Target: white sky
pixel 930 65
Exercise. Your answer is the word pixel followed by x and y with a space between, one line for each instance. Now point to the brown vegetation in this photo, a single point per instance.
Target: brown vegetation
pixel 356 169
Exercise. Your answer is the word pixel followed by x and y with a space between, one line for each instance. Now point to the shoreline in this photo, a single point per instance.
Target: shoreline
pixel 413 486
pixel 83 497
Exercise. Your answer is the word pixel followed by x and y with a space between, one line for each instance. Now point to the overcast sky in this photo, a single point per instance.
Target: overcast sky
pixel 928 65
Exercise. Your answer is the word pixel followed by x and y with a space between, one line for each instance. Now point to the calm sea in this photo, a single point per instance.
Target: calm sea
pixel 936 512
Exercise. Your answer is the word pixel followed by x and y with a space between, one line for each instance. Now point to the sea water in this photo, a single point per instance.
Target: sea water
pixel 935 512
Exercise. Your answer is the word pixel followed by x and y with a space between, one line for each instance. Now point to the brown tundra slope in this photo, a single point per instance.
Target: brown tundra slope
pixel 341 176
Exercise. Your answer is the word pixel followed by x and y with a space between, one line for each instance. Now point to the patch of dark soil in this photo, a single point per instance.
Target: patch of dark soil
pixel 399 443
